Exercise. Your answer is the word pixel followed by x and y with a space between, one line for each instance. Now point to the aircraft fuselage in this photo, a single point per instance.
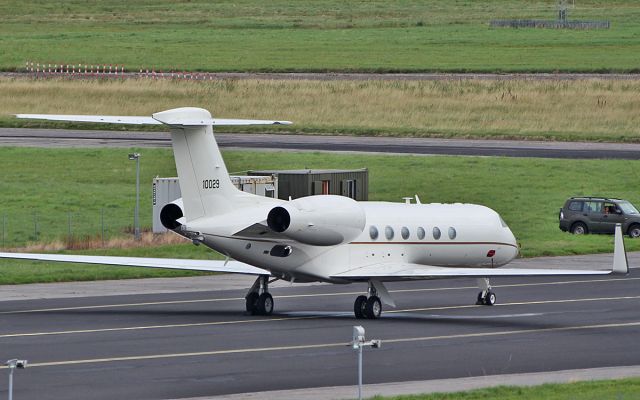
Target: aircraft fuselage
pixel 448 235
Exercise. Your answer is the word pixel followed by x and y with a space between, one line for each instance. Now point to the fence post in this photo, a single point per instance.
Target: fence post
pixel 35 225
pixel 69 233
pixel 102 225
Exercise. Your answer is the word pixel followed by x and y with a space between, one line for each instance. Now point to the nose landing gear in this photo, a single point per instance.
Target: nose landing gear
pixel 486 297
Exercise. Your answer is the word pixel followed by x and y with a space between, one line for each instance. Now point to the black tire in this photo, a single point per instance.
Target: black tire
pixel 480 300
pixel 359 307
pixel 251 302
pixel 634 231
pixel 265 304
pixel 490 299
pixel 579 229
pixel 373 308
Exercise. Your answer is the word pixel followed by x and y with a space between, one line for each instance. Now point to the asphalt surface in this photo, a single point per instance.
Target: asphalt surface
pixel 426 146
pixel 194 344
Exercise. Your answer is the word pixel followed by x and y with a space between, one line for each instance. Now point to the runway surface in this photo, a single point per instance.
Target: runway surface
pixel 427 146
pixel 190 344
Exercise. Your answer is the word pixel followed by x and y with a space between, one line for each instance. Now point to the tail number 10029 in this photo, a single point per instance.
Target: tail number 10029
pixel 211 183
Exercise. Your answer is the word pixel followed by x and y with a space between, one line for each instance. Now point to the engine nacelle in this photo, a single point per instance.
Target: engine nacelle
pixel 323 220
pixel 172 215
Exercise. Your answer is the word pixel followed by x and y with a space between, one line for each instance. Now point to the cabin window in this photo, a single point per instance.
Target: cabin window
pixel 436 233
pixel 421 233
pixel 373 232
pixel 452 233
pixel 405 233
pixel 388 232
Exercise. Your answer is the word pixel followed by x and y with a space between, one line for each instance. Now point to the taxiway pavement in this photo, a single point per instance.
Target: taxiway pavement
pixel 181 344
pixel 427 146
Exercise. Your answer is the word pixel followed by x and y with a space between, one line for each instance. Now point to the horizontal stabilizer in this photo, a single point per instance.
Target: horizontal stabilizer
pixel 167 263
pixel 131 120
pixel 93 118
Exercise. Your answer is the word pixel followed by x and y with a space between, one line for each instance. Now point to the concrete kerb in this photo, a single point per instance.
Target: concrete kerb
pixel 439 385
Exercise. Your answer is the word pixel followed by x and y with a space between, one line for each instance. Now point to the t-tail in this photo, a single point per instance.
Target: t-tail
pixel 205 184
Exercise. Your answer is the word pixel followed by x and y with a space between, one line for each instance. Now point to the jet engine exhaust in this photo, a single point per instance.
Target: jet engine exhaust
pixel 278 219
pixel 169 216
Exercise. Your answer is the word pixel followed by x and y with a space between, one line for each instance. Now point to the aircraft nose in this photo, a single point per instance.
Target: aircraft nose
pixel 511 239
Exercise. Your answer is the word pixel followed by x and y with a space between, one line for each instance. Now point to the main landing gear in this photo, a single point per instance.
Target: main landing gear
pixel 368 306
pixel 486 297
pixel 258 300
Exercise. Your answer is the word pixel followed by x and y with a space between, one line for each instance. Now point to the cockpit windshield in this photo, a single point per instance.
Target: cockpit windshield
pixel 628 208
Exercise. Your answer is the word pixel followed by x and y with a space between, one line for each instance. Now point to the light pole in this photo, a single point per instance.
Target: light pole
pixel 136 221
pixel 357 344
pixel 12 365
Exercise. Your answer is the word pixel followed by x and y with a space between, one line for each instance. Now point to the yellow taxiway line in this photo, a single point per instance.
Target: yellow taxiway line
pixel 277 319
pixel 156 303
pixel 330 345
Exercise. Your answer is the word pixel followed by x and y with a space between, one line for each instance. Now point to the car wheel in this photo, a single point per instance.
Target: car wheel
pixel 634 231
pixel 579 229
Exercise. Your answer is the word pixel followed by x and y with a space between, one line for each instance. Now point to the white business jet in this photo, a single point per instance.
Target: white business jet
pixel 317 238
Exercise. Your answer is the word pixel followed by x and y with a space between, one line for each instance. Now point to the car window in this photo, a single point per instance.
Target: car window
pixel 628 208
pixel 575 206
pixel 609 208
pixel 593 206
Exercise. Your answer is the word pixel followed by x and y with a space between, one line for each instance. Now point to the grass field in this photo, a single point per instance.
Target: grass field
pixel 592 110
pixel 622 389
pixel 526 192
pixel 328 35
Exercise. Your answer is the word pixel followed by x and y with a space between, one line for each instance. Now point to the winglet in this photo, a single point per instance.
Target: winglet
pixel 620 262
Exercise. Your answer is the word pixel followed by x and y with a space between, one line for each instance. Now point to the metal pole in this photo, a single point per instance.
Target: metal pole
pixel 11 383
pixel 136 218
pixel 4 226
pixel 360 372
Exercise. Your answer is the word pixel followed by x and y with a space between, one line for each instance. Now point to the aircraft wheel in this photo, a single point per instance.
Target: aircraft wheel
pixel 265 304
pixel 490 299
pixel 359 307
pixel 373 307
pixel 480 300
pixel 251 302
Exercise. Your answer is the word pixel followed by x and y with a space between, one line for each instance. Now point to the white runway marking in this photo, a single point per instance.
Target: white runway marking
pixel 295 316
pixel 330 345
pixel 155 303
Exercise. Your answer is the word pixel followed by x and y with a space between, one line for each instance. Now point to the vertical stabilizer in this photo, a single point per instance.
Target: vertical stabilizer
pixel 206 187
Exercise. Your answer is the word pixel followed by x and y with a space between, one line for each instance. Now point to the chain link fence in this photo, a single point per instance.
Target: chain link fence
pixel 69 229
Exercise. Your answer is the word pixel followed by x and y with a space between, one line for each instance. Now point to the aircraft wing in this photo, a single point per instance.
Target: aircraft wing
pixel 403 271
pixel 400 271
pixel 168 263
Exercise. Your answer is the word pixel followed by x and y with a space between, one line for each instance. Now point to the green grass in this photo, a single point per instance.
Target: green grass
pixel 526 192
pixel 588 110
pixel 622 389
pixel 306 35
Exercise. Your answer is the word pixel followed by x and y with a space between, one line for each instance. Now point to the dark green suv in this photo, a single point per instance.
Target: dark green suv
pixel 582 215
